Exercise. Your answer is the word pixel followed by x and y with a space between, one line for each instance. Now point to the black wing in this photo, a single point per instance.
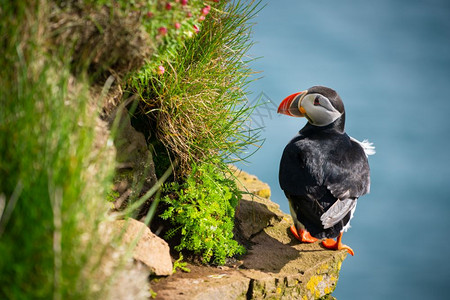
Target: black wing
pixel 337 163
pixel 348 173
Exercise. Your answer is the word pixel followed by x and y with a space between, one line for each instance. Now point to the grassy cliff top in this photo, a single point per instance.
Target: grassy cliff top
pixel 68 68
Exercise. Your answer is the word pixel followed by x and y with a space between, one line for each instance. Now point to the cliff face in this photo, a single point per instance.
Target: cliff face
pixel 276 266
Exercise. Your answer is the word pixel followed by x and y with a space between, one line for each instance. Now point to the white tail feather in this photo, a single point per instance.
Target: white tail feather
pixel 368 147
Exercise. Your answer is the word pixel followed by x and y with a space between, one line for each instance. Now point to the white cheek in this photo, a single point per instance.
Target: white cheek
pixel 319 115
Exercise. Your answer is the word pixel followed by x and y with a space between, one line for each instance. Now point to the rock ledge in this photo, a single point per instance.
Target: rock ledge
pixel 276 266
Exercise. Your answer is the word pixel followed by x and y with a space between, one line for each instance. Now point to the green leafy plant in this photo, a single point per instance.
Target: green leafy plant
pixel 180 264
pixel 202 211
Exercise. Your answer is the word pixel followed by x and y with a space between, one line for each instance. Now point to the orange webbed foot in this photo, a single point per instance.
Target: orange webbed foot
pixel 303 236
pixel 337 245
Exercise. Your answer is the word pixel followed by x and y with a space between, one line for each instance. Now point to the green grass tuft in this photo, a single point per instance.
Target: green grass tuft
pixel 55 171
pixel 198 111
pixel 198 105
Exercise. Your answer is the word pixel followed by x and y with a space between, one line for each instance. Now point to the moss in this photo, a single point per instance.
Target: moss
pixel 278 291
pixel 324 279
pixel 111 196
pixel 313 284
pixel 265 193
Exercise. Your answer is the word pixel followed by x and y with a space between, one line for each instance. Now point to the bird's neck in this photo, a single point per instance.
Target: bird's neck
pixel 337 126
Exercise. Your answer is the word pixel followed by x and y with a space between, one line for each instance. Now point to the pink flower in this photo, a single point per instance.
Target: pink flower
pixel 168 6
pixel 201 18
pixel 162 31
pixel 184 2
pixel 160 70
pixel 205 10
pixel 196 29
pixel 177 25
pixel 189 14
pixel 149 14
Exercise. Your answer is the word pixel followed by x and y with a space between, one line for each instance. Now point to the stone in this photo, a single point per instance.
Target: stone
pixel 254 212
pixel 253 215
pixel 130 283
pixel 150 249
pixel 134 159
pixel 251 184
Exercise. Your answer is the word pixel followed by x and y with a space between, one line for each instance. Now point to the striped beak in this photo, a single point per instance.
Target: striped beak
pixel 291 105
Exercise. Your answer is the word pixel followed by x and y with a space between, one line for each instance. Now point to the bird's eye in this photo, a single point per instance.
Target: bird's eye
pixel 316 101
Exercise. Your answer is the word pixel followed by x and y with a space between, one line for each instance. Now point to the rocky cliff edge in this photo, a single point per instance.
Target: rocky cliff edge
pixel 276 266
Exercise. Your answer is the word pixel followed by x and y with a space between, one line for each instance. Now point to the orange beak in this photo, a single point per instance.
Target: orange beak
pixel 291 105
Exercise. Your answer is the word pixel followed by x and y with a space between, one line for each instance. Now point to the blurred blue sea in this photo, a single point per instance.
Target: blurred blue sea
pixel 390 63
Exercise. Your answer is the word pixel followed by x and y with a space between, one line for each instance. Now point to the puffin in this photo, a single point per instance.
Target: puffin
pixel 323 171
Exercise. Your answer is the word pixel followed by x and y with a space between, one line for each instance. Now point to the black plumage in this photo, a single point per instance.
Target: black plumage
pixel 322 165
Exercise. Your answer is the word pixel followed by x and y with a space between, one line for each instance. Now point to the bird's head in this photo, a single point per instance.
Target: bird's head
pixel 320 105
